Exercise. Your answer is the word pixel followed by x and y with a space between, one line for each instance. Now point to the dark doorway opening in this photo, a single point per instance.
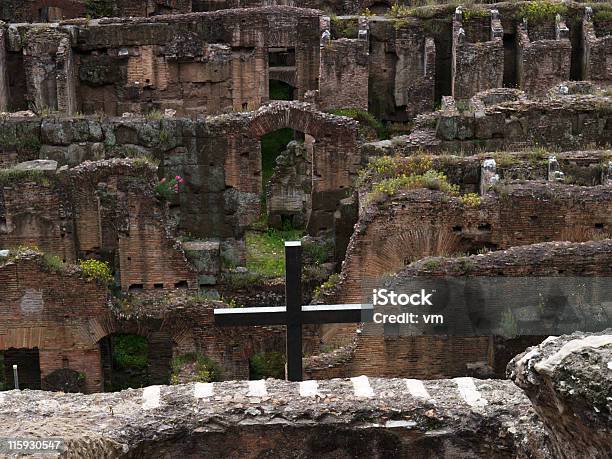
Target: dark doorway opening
pixel 279 90
pixel 509 61
pixel 285 169
pixel 28 368
pixel 125 362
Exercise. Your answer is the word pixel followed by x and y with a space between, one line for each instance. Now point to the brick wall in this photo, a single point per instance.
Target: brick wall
pixel 51 311
pixel 344 75
pixel 543 59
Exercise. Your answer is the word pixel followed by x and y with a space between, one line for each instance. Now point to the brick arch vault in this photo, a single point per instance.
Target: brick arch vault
pixel 336 158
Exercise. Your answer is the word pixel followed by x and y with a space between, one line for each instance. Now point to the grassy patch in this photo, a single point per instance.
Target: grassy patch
pixel 15 176
pixel 432 180
pixel 266 251
pixel 130 351
pixel 344 28
pixel 100 8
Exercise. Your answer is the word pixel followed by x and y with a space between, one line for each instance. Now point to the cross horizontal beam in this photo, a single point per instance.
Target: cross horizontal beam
pixel 311 314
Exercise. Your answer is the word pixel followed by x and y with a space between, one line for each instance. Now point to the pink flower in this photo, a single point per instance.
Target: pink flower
pixel 178 177
pixel 181 180
pixel 163 180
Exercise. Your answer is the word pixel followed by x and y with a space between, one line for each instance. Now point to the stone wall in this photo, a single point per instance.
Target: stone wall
pixel 57 10
pixel 517 214
pixel 371 418
pixel 543 56
pixel 597 49
pixel 219 158
pixel 567 378
pixel 51 311
pixel 41 10
pixel 104 210
pixel 565 122
pixel 478 54
pixel 344 75
pixel 214 63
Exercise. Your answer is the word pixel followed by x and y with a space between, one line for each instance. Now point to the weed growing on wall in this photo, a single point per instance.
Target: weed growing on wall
pixel 96 270
pixel 541 11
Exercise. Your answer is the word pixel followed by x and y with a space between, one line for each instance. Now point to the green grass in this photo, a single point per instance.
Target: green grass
pixel 266 251
pixel 541 11
pixel 14 176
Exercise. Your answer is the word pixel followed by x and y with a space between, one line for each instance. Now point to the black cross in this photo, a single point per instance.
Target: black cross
pixel 294 315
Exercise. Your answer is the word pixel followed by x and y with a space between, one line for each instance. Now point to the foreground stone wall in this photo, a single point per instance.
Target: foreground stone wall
pixel 339 418
pixel 567 378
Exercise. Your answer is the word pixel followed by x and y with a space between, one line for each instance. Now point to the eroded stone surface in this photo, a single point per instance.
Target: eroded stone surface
pixel 569 381
pixel 363 417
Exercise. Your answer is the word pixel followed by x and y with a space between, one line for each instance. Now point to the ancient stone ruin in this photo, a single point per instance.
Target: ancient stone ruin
pixel 175 175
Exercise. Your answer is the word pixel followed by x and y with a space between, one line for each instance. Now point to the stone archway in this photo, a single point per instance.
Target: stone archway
pixel 335 159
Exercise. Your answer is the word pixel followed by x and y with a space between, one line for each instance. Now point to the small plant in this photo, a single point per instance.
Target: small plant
pixel 96 270
pixel 204 369
pixel 100 8
pixel 367 13
pixel 267 365
pixel 155 115
pixel 363 117
pixel 540 11
pixel 53 262
pixel 431 179
pixel 431 264
pixel 471 200
pixel 168 187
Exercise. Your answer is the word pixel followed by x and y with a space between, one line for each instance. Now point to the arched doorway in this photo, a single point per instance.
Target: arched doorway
pixel 335 156
pixel 286 165
pixel 125 361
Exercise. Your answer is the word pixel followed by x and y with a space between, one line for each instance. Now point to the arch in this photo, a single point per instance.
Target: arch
pixel 335 159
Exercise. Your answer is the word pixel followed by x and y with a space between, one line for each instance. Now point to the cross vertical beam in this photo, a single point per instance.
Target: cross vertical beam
pixel 293 295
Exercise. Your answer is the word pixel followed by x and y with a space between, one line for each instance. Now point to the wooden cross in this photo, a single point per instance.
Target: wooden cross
pixel 293 315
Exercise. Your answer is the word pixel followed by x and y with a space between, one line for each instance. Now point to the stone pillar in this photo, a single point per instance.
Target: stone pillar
pixel 66 78
pixel 554 170
pixel 488 175
pixel 4 86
